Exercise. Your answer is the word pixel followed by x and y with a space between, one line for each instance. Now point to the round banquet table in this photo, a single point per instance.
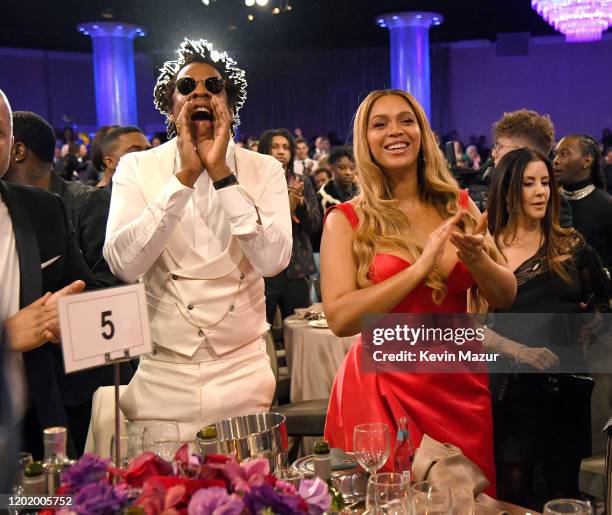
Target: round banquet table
pixel 313 358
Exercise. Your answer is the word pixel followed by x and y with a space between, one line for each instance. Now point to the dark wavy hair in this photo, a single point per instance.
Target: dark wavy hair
pixel 505 204
pixel 265 144
pixel 199 51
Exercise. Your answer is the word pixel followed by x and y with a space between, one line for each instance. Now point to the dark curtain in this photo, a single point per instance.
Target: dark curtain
pixel 316 90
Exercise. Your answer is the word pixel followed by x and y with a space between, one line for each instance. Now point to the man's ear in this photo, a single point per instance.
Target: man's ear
pixel 18 152
pixel 109 163
pixel 588 161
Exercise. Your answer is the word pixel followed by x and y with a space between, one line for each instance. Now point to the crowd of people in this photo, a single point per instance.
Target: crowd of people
pixel 227 234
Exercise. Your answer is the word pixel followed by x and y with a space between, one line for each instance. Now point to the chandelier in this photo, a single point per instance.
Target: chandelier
pixel 579 20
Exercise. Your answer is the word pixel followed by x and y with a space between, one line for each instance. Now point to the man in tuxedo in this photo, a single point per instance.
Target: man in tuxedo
pixel 31 164
pixel 38 253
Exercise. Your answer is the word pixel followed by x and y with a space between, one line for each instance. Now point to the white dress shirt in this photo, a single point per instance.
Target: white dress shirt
pixel 300 166
pixel 9 304
pixel 138 232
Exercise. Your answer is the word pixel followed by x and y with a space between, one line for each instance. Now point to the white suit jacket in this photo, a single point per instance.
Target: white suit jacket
pixel 193 301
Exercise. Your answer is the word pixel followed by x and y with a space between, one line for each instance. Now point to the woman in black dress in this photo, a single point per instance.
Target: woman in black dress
pixel 540 418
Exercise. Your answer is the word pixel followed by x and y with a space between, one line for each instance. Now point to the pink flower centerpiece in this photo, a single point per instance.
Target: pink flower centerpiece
pixel 217 485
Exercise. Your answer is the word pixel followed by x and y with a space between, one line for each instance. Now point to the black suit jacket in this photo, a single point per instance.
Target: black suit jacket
pixel 43 232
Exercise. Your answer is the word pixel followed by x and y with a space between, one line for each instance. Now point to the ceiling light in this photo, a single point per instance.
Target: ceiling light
pixel 206 2
pixel 276 10
pixel 249 3
pixel 262 3
pixel 251 17
pixel 579 20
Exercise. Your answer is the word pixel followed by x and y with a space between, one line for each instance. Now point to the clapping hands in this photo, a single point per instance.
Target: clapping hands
pixel 470 247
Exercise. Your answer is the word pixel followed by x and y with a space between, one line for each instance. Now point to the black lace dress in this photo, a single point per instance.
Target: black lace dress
pixel 546 418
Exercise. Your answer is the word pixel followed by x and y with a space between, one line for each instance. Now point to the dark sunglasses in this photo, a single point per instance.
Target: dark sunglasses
pixel 187 85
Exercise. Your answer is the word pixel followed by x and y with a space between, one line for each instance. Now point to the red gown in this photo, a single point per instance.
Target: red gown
pixel 452 408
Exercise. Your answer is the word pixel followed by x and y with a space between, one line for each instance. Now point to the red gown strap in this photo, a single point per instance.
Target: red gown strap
pixel 463 199
pixel 348 210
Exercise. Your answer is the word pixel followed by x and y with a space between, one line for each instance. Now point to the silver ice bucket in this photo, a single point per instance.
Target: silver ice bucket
pixel 260 435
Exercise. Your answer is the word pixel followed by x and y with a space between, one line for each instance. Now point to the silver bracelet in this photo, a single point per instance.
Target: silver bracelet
pixel 500 346
pixel 518 356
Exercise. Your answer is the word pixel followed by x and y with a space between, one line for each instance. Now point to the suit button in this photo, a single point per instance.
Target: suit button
pixel 200 333
pixel 190 307
pixel 174 277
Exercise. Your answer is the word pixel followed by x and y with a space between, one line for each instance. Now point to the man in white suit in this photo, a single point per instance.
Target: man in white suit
pixel 200 222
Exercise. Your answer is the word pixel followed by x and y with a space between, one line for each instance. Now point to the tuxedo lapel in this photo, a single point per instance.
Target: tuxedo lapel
pixel 30 280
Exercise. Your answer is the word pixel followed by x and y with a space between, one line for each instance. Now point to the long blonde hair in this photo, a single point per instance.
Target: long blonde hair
pixel 382 223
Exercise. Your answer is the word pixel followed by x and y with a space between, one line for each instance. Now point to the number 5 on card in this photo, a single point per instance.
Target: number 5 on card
pixel 101 325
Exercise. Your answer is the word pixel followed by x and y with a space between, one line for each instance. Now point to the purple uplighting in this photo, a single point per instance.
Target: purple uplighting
pixel 578 20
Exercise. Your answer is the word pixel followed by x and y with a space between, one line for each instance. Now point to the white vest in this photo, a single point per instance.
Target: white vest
pixel 192 302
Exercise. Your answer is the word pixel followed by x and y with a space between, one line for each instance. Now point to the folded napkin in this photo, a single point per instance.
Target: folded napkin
pixel 445 463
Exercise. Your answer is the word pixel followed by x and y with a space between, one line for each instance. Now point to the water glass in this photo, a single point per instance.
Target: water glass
pixel 126 452
pixel 23 460
pixel 387 494
pixel 371 445
pixel 430 498
pixel 567 507
pixel 134 432
pixel 161 438
pixel 291 476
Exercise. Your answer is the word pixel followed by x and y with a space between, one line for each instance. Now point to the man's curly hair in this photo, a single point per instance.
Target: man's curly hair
pixel 537 129
pixel 199 51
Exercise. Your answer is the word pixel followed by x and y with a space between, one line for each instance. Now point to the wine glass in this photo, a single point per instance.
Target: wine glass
pixel 371 445
pixel 291 476
pixel 567 507
pixel 161 438
pixel 430 498
pixel 126 452
pixel 23 460
pixel 134 432
pixel 387 493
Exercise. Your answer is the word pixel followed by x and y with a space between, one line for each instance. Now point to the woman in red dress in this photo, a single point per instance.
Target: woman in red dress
pixel 411 242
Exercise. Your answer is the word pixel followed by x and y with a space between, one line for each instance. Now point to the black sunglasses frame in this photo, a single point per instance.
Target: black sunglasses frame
pixel 187 85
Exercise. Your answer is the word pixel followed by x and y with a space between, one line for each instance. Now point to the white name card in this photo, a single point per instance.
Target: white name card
pixel 104 325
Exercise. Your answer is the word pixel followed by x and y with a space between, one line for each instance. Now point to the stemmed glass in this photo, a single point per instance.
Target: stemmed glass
pixel 23 460
pixel 126 450
pixel 161 438
pixel 429 498
pixel 387 493
pixel 371 445
pixel 567 507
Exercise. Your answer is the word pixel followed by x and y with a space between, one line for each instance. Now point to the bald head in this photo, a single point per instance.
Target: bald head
pixel 6 133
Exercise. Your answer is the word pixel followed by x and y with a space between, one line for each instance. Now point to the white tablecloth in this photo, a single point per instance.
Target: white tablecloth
pixel 313 358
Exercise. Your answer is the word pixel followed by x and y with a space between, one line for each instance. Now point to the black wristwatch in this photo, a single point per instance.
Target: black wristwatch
pixel 225 182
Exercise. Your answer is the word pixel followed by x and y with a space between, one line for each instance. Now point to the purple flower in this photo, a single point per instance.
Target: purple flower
pixel 246 475
pixel 89 469
pixel 100 499
pixel 264 497
pixel 214 501
pixel 316 495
